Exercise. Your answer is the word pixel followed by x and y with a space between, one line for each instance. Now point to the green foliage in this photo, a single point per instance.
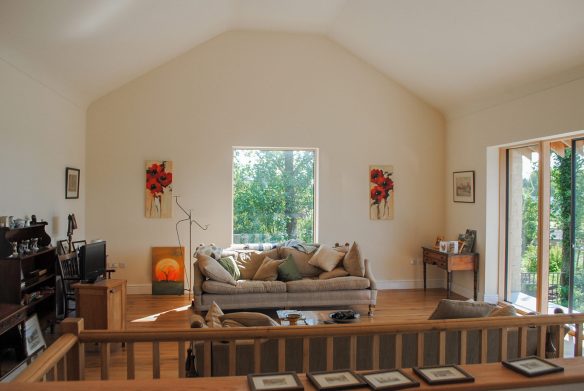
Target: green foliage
pixel 273 195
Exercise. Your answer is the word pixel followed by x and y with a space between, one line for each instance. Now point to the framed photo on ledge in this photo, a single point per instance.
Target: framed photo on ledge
pixel 463 183
pixel 532 366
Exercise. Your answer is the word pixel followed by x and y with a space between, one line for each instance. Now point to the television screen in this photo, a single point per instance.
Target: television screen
pixel 92 261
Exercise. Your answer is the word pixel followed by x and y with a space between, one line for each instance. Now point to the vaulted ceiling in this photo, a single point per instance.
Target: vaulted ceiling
pixel 458 55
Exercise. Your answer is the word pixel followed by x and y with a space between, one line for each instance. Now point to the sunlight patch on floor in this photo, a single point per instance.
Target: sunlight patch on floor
pixel 154 317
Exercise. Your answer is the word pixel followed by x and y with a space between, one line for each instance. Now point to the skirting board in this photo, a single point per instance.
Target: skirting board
pixel 410 284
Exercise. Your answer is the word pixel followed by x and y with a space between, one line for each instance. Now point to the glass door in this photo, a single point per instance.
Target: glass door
pixel 575 286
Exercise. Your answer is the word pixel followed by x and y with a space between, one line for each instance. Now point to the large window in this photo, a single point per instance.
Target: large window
pixel 544 249
pixel 273 195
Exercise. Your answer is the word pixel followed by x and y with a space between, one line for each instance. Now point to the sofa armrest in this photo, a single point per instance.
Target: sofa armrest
pixel 369 275
pixel 198 279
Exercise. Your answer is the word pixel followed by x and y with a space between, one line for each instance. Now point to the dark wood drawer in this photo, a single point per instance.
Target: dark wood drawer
pixel 10 322
pixel 436 258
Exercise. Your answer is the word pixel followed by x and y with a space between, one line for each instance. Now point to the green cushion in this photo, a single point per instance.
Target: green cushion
pixel 229 264
pixel 288 271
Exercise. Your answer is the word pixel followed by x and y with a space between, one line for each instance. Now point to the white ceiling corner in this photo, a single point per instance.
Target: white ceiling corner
pixel 457 55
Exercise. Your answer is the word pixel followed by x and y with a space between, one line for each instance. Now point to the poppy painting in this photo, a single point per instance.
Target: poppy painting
pixel 168 268
pixel 159 189
pixel 381 192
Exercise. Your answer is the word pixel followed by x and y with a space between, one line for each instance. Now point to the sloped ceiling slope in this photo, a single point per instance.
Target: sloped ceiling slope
pixel 457 55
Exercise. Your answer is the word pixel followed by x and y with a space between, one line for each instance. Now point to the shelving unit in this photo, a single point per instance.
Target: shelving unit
pixel 22 281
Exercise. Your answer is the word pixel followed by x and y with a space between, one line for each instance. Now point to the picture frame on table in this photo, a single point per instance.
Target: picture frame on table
pixel 78 244
pixel 278 381
pixel 463 186
pixel 443 374
pixel 335 380
pixel 72 176
pixel 532 366
pixel 394 379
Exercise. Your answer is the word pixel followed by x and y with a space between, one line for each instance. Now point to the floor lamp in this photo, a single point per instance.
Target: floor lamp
pixel 189 218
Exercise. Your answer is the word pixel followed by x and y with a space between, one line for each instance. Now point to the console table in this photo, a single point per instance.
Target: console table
pixel 102 304
pixel 451 262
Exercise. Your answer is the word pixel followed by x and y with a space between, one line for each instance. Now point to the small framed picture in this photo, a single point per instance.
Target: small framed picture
pixel 335 380
pixel 443 247
pixel 532 366
pixel 445 374
pixel 395 379
pixel 437 242
pixel 78 244
pixel 463 186
pixel 274 381
pixel 33 334
pixel 63 247
pixel 72 183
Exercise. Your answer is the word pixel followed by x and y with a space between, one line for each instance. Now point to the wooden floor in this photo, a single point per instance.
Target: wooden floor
pixel 146 311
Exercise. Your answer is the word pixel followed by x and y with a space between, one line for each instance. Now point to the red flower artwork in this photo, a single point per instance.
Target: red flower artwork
pixel 381 192
pixel 158 179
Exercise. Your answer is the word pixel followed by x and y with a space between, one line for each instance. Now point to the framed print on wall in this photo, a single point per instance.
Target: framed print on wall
pixel 72 183
pixel 463 183
pixel 381 192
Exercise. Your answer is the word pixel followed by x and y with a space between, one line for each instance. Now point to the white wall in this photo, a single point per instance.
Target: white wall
pixel 265 89
pixel 472 145
pixel 41 134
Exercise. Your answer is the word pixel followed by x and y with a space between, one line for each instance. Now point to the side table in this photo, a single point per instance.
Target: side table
pixel 451 262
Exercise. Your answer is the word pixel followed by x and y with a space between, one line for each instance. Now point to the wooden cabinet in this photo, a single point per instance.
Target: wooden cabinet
pixel 451 262
pixel 102 305
pixel 29 279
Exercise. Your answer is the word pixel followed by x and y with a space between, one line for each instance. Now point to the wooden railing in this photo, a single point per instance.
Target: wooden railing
pixel 230 335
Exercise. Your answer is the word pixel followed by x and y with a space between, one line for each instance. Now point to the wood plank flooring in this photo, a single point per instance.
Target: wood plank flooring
pixel 146 311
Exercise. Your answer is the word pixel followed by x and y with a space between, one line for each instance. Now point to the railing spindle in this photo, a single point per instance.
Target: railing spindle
pixel 463 346
pixel 329 353
pixel 503 348
pixel 207 370
pixel 375 351
pixel 484 345
pixel 105 360
pixel 61 369
pixel 399 346
pixel 353 352
pixel 257 355
pixel 131 361
pixel 420 348
pixel 156 360
pixel 281 354
pixel 181 358
pixel 522 341
pixel 305 354
pixel 578 340
pixel 232 358
pixel 541 334
pixel 560 341
pixel 442 349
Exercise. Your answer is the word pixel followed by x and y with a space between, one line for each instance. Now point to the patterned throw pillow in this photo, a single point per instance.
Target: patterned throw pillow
pixel 229 264
pixel 210 250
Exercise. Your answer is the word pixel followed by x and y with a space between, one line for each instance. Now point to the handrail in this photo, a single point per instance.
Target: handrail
pixel 50 359
pixel 233 333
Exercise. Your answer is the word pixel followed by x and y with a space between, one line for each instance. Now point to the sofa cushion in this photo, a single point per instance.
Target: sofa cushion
pixel 213 270
pixel 353 261
pixel 244 286
pixel 250 262
pixel 334 284
pixel 457 309
pixel 506 310
pixel 197 321
pixel 301 260
pixel 228 263
pixel 288 271
pixel 326 258
pixel 213 315
pixel 268 270
pixel 250 319
pixel 336 272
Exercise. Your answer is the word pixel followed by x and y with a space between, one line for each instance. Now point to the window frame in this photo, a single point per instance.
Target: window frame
pixel 315 187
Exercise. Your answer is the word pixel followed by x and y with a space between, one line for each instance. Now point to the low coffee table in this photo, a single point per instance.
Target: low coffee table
pixel 307 318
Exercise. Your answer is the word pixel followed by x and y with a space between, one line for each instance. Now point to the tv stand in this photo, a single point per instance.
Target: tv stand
pixel 102 304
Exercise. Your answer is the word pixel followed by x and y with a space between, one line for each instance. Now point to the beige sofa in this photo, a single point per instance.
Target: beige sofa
pixel 310 291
